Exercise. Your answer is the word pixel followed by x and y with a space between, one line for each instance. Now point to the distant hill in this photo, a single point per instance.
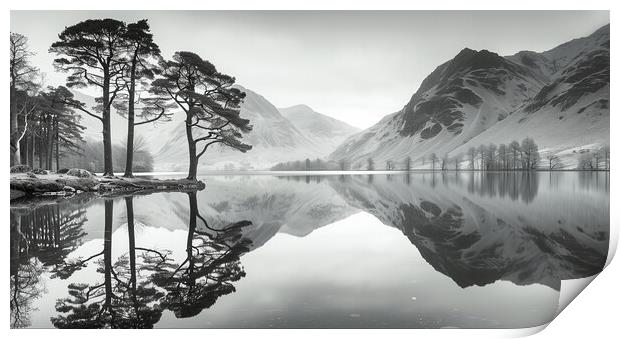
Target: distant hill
pixel 321 129
pixel 275 138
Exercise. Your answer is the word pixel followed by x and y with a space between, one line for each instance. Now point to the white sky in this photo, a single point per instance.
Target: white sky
pixel 354 66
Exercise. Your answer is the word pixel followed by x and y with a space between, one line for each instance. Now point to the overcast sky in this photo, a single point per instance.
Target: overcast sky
pixel 354 66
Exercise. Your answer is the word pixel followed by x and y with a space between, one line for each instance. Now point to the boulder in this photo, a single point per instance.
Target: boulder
pixel 39 171
pixel 20 169
pixel 78 172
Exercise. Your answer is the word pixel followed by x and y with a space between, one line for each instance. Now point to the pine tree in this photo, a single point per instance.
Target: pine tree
pixel 93 52
pixel 210 103
pixel 140 49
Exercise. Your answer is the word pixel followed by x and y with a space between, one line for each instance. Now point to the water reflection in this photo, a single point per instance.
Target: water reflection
pixel 474 228
pixel 480 235
pixel 39 239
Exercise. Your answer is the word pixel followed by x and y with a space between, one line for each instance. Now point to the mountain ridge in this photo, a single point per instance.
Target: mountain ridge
pixel 461 103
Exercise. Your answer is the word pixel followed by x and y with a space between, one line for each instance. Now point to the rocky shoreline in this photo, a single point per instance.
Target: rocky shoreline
pixel 28 183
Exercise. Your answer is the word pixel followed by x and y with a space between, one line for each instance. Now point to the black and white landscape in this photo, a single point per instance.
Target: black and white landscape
pixel 262 171
pixel 559 97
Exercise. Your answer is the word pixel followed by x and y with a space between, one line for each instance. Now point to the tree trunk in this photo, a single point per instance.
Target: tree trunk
pixel 107 251
pixel 130 120
pixel 57 148
pixel 193 214
pixel 23 150
pixel 108 169
pixel 132 242
pixel 32 147
pixel 41 150
pixel 193 160
pixel 50 144
pixel 14 144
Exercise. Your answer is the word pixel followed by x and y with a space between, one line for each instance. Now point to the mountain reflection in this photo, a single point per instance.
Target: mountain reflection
pixel 475 237
pixel 475 228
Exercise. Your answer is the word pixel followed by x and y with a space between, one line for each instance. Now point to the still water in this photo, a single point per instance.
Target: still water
pixel 425 250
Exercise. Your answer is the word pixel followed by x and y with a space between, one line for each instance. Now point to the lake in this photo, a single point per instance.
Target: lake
pixel 419 250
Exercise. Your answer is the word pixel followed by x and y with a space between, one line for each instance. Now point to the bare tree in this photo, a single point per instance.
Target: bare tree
pixel 370 164
pixel 482 151
pixel 596 159
pixel 457 161
pixel 472 157
pixel 515 151
pixel 491 157
pixel 22 74
pixel 553 161
pixel 444 162
pixel 604 152
pixel 408 164
pixel 502 156
pixel 586 161
pixel 433 158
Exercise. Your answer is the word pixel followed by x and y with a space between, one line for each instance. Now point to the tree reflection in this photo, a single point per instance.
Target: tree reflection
pixel 515 185
pixel 41 238
pixel 136 289
pixel 210 267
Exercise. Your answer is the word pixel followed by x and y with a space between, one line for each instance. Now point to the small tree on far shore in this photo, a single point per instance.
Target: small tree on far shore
pixel 370 164
pixel 457 161
pixel 554 162
pixel 433 158
pixel 408 164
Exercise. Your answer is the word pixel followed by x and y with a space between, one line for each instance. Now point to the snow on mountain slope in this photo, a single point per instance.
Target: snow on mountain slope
pixel 572 111
pixel 272 204
pixel 325 131
pixel 273 138
pixel 456 102
pixel 478 228
pixel 559 97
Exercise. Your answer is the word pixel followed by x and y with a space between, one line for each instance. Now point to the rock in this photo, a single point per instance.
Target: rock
pixel 78 172
pixel 17 194
pixel 20 169
pixel 39 171
pixel 68 189
pixel 62 171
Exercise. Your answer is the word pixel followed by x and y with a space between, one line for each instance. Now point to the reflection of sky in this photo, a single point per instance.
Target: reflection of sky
pixel 354 272
pixel 359 273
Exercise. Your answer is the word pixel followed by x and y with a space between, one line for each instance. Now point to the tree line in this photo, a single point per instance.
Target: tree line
pixel 124 63
pixel 514 156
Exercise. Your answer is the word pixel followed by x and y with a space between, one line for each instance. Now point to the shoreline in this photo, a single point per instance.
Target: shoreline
pixel 53 187
pixel 30 185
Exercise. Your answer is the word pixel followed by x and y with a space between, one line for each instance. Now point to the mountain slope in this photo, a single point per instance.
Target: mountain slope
pixel 559 97
pixel 321 129
pixel 273 138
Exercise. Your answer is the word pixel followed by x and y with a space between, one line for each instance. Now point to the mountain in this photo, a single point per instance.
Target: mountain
pixel 559 97
pixel 321 129
pixel 274 139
